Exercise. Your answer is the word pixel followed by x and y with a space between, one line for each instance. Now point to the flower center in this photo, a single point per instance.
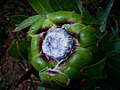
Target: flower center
pixel 57 44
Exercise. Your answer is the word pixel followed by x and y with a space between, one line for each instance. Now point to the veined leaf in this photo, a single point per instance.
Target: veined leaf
pixel 94 70
pixel 56 5
pixel 19 49
pixel 48 6
pixel 27 22
pixel 41 6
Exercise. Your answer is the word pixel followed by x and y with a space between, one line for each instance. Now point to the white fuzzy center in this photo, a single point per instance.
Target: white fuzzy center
pixel 57 44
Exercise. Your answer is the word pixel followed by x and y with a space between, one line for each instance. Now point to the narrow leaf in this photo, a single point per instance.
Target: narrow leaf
pixel 41 6
pixel 80 6
pixel 69 5
pixel 48 6
pixel 27 22
pixel 88 18
pixel 56 5
pixel 102 15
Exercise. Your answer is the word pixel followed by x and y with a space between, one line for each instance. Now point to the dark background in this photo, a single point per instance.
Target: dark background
pixel 11 69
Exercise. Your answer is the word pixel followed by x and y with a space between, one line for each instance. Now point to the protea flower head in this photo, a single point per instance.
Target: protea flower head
pixel 60 46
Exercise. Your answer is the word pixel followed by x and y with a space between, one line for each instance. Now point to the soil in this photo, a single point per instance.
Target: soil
pixel 11 69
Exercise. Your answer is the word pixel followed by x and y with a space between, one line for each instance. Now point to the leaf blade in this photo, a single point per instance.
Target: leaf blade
pixel 94 70
pixel 27 22
pixel 102 15
pixel 41 6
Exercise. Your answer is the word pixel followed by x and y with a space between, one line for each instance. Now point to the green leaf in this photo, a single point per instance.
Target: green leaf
pixel 56 5
pixel 19 49
pixel 102 15
pixel 48 6
pixel 94 70
pixel 88 18
pixel 27 22
pixel 105 44
pixel 80 5
pixel 41 6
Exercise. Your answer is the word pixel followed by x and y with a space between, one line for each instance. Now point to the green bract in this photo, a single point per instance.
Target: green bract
pixel 60 72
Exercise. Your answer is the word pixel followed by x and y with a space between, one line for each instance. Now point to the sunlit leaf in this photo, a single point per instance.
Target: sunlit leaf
pixel 19 49
pixel 41 6
pixel 48 6
pixel 27 22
